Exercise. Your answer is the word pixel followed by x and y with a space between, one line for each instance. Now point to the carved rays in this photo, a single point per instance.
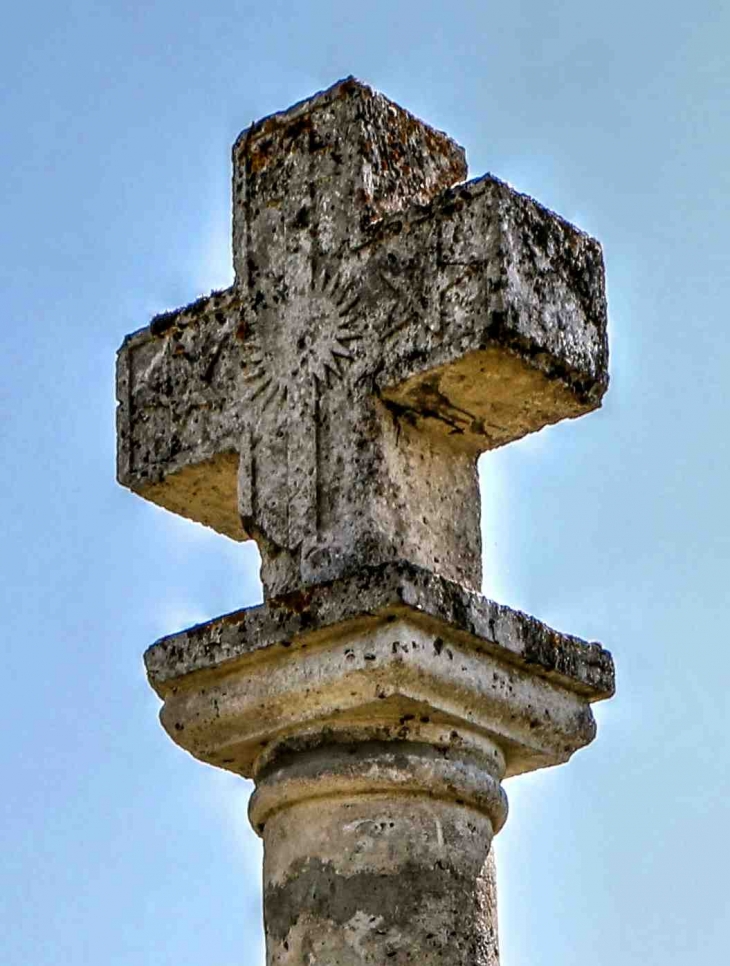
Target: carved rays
pixel 320 352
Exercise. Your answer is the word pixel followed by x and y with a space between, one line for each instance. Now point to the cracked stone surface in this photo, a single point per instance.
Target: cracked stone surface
pixel 388 322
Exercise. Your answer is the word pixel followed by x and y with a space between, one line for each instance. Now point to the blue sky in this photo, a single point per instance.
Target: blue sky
pixel 117 120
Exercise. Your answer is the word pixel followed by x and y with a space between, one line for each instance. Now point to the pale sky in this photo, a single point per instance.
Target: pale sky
pixel 117 119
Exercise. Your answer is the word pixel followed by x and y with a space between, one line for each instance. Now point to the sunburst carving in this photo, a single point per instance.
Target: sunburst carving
pixel 314 343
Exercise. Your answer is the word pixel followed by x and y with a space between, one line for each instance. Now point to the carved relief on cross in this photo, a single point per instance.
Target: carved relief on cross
pixel 388 322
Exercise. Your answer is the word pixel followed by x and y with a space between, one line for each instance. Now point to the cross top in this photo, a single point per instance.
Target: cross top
pixel 387 323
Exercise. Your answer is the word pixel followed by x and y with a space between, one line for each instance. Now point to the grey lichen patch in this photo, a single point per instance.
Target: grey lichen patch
pixel 437 908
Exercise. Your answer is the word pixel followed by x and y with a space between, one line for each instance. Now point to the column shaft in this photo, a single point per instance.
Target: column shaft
pixel 366 863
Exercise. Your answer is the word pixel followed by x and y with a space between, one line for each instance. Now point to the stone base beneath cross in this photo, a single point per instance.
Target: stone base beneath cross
pixel 378 715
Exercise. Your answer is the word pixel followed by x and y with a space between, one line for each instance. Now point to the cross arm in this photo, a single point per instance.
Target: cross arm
pixel 180 410
pixel 501 326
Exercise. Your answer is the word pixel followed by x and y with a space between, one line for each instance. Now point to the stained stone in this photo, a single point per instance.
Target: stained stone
pixel 397 636
pixel 378 716
pixel 388 322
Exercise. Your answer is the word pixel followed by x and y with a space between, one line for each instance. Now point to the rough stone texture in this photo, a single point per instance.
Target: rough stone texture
pixel 393 653
pixel 378 716
pixel 373 596
pixel 383 877
pixel 388 322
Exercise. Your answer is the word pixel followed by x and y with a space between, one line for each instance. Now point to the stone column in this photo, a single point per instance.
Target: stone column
pixel 378 716
pixel 378 852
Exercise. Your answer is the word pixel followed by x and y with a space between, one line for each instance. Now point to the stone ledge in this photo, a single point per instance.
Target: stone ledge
pixel 375 595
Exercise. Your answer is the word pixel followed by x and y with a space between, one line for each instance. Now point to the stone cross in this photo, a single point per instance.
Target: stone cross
pixel 388 322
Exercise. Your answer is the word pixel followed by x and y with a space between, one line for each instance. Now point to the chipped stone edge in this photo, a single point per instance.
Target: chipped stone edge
pixel 587 387
pixel 373 595
pixel 319 101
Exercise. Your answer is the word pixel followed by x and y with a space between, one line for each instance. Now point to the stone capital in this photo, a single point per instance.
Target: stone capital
pixel 391 652
pixel 378 715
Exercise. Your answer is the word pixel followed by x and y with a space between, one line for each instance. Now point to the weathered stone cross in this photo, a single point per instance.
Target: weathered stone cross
pixel 387 323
